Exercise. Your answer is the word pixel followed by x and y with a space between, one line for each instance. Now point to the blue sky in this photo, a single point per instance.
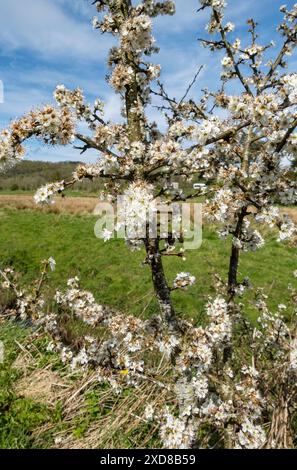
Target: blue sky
pixel 47 42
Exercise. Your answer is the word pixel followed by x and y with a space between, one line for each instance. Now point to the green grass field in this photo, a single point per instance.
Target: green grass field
pixel 117 277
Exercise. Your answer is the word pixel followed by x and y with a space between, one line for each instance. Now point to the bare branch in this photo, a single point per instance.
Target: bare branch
pixel 284 140
pixel 191 84
pixel 278 60
pixel 91 144
pixel 230 53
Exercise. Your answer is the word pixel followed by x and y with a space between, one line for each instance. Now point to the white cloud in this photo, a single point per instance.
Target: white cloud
pixel 34 87
pixel 37 152
pixel 42 27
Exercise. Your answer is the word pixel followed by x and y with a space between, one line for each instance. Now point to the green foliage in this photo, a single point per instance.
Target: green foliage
pixel 18 416
pixel 92 412
pixel 17 421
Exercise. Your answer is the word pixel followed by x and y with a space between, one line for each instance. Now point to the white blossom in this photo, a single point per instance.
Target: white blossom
pixel 184 280
pixel 52 263
pixel 45 194
pixel 251 436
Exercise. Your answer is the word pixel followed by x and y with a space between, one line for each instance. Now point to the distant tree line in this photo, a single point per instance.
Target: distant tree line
pixel 30 175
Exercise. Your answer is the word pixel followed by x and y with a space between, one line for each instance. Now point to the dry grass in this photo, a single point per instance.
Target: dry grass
pixel 291 212
pixel 43 386
pixel 118 422
pixel 70 205
pixel 75 205
pixel 123 424
pixel 119 425
pixel 39 384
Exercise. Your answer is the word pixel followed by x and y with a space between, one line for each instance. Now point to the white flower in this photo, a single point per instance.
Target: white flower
pixel 107 235
pixel 136 34
pixel 51 347
pixel 293 355
pixel 206 129
pixel 237 243
pixel 184 280
pixel 122 75
pixel 189 391
pixel 216 410
pixel 270 216
pixel 236 45
pixel 175 433
pixel 287 230
pixel 218 4
pixel 290 86
pixel 95 22
pixel 226 62
pixel 282 307
pixel 73 282
pixel 251 436
pixel 229 27
pixel 52 263
pixel 254 240
pixel 81 359
pixel 154 71
pixel 220 207
pixel 220 328
pixel 45 194
pixel 168 345
pixel 149 413
pixel 66 355
pixel 58 440
pixel 137 207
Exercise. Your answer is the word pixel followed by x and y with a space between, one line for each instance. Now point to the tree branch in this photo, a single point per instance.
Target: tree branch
pixel 284 140
pixel 230 53
pixel 91 144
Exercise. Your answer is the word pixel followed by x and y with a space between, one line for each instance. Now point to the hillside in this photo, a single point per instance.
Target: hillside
pixel 30 175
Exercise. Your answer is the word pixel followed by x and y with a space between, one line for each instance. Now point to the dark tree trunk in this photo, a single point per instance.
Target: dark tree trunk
pixel 234 258
pixel 162 290
pixel 135 127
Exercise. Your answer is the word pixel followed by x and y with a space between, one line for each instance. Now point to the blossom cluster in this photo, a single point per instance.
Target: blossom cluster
pixel 184 280
pixel 53 126
pixel 204 388
pixel 45 194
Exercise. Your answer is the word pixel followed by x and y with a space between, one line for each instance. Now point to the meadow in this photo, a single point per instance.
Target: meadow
pixel 39 403
pixel 123 281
